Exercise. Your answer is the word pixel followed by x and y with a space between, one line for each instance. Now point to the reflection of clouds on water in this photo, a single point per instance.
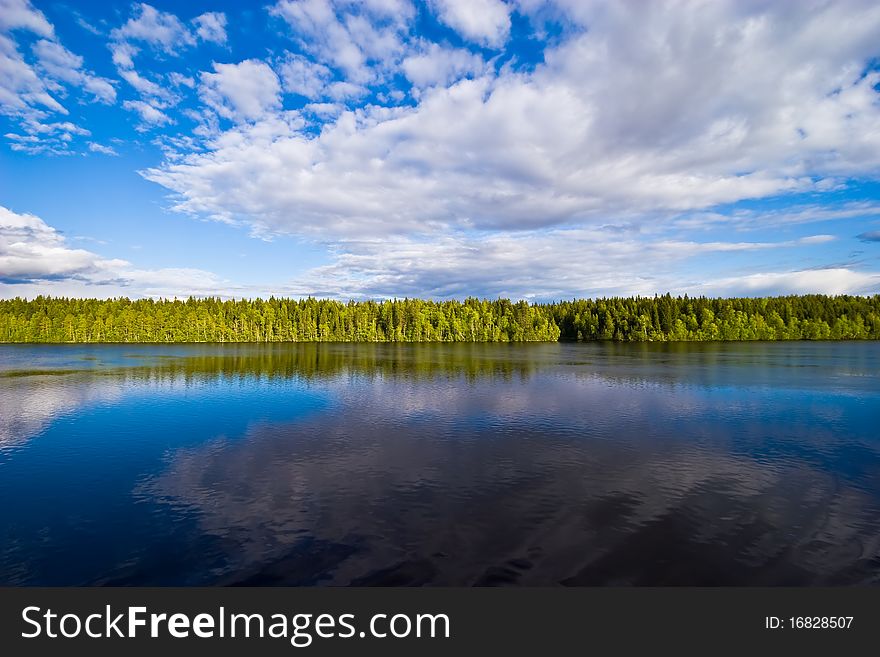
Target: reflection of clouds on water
pixel 597 406
pixel 31 403
pixel 549 488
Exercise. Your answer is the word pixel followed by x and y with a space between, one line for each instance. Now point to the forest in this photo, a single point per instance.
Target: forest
pixel 634 319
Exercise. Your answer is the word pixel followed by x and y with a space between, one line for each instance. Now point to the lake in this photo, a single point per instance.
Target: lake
pixel 429 464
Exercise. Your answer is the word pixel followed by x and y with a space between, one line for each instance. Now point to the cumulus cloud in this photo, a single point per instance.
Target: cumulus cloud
pixel 181 80
pixel 538 265
pixel 165 34
pixel 303 76
pixel 52 138
pixel 159 29
pixel 242 92
pixel 61 64
pixel 363 40
pixel 133 283
pixel 486 22
pixel 435 64
pixel 22 92
pixel 102 149
pixel 21 15
pixel 32 250
pixel 211 26
pixel 150 115
pixel 37 259
pixel 123 54
pixel 836 280
pixel 678 111
pixel 342 90
pixel 30 87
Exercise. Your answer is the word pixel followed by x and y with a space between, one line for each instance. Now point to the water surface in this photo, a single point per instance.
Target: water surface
pixel 490 464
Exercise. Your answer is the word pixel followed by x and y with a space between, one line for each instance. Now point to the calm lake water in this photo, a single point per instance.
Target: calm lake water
pixel 544 464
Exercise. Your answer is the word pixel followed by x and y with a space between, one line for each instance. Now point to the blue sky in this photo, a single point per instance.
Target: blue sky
pixel 537 149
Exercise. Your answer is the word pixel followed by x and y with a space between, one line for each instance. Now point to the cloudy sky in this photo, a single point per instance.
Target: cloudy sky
pixel 537 149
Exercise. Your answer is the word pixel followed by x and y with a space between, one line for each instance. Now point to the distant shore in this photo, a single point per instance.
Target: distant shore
pixel 632 319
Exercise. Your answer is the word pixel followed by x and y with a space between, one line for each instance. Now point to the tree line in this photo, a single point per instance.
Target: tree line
pixel 672 319
pixel 658 318
pixel 47 319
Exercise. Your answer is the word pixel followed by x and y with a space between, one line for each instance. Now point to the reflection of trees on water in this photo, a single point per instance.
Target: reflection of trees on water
pixel 833 365
pixel 316 361
pixel 31 398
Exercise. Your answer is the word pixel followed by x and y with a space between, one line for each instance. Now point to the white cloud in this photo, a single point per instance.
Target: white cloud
pixel 147 87
pixel 36 259
pixel 180 80
pixel 788 216
pixel 345 90
pixel 486 22
pixel 435 64
pixel 58 62
pixel 101 88
pixel 22 92
pixel 166 34
pixel 838 280
pixel 364 40
pixel 324 110
pixel 242 92
pixel 303 76
pixel 21 15
pixel 541 265
pixel 46 138
pixel 123 54
pixel 95 147
pixel 60 126
pixel 29 91
pixel 159 29
pixel 133 283
pixel 681 110
pixel 211 26
pixel 32 250
pixel 84 24
pixel 150 115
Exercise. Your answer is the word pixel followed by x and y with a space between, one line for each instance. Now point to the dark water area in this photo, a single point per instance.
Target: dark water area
pixel 488 464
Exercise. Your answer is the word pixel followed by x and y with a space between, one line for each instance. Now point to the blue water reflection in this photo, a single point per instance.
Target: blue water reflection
pixel 573 464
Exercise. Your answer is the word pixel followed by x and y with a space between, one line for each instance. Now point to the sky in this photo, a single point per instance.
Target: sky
pixel 530 149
